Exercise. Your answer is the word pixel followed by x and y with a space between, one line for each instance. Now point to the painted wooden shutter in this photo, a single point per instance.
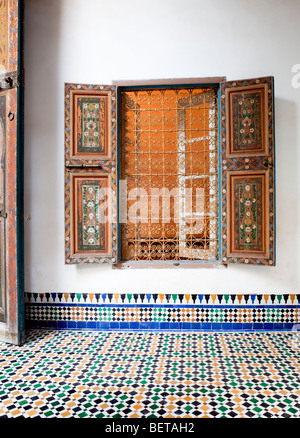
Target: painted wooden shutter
pixel 90 174
pixel 247 172
pixel 12 314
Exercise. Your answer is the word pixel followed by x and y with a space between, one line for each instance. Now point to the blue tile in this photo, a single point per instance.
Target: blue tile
pixel 258 325
pixel 48 324
pixel 154 325
pixel 196 326
pixel 164 325
pixel 134 325
pixel 144 325
pixel 81 324
pixel 288 325
pixel 186 326
pixel 247 326
pixel 175 325
pixel 206 325
pixel 62 324
pixel 216 326
pixel 227 326
pixel 268 325
pixel 71 324
pixel 91 325
pixel 104 325
pixel 237 326
pixel 278 326
pixel 114 325
pixel 124 325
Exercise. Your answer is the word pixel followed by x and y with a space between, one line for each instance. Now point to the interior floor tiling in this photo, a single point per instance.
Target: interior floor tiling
pixel 151 375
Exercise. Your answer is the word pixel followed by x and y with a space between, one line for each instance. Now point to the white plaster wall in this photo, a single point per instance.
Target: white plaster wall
pixel 97 41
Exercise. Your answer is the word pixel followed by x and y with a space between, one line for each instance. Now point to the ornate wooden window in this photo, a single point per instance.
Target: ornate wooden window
pixel 193 163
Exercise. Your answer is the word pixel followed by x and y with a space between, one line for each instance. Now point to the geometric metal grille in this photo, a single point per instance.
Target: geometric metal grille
pixel 169 174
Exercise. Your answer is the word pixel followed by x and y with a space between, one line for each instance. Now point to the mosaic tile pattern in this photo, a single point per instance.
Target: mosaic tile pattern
pixel 162 298
pixel 162 311
pixel 151 375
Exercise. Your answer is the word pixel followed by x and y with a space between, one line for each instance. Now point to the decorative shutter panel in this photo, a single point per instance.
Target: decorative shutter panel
pixel 90 174
pixel 247 171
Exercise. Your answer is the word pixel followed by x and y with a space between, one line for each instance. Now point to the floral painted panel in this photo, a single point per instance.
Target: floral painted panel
pixel 249 231
pixel 247 121
pixel 90 118
pixel 91 215
pixel 91 233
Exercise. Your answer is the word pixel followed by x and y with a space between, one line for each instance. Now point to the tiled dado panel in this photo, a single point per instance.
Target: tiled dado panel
pixel 162 311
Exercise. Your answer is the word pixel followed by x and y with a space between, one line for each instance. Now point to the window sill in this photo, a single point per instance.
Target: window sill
pixel 169 265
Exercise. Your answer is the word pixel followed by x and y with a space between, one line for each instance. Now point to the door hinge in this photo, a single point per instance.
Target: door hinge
pixel 3 214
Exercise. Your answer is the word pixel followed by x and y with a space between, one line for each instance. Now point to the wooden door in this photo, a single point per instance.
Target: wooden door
pixel 11 173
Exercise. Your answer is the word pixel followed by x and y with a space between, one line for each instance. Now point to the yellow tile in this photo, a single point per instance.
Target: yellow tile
pixel 237 400
pixel 39 403
pixel 65 414
pixel 235 391
pixel 32 413
pixel 16 412
pixel 7 402
pixel 251 391
pixel 276 410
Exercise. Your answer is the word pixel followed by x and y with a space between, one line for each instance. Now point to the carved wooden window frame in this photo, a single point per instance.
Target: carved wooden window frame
pixel 241 165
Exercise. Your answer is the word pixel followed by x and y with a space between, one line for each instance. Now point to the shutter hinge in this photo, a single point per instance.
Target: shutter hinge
pixel 9 80
pixel 3 214
pixel 83 166
pixel 267 163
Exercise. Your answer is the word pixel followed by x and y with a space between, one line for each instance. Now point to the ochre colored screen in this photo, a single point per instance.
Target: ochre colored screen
pixel 169 166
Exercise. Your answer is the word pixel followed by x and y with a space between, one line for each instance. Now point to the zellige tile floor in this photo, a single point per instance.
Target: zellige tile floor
pixel 76 374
